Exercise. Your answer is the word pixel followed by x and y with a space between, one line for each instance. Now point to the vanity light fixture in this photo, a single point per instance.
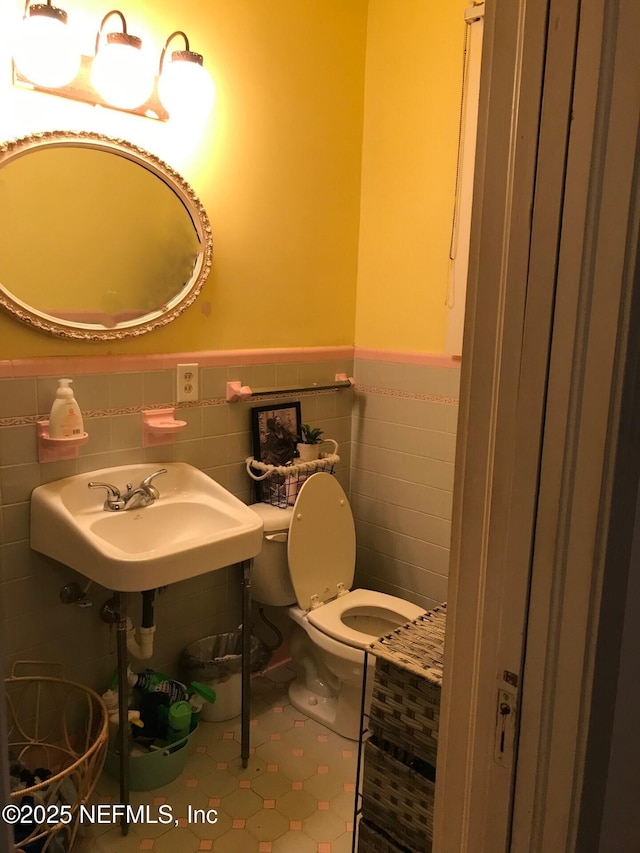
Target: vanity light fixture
pixel 44 50
pixel 119 71
pixel 184 86
pixel 118 75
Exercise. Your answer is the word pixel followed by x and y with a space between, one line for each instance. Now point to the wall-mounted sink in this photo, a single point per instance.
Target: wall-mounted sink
pixel 195 526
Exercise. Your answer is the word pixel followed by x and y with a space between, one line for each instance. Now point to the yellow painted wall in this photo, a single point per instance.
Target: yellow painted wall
pixel 277 168
pixel 413 80
pixel 303 206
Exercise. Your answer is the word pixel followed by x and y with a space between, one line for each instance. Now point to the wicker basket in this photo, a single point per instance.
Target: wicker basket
pixel 279 485
pixel 405 705
pixel 397 799
pixel 63 727
pixel 372 840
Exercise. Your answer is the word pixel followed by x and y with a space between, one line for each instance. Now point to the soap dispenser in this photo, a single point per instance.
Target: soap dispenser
pixel 65 420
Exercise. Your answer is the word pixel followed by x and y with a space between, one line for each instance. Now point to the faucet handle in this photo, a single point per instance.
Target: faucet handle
pixel 114 491
pixel 114 499
pixel 147 480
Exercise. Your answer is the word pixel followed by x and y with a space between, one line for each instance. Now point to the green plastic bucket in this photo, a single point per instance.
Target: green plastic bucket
pixel 155 768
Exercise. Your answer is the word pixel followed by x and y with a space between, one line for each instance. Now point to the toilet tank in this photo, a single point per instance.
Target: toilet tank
pixel 270 581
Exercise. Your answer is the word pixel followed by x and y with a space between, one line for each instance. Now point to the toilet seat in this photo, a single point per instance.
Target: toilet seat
pixel 325 643
pixel 328 618
pixel 321 550
pixel 321 546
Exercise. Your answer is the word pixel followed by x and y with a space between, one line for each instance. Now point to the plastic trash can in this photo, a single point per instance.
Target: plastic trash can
pixel 217 662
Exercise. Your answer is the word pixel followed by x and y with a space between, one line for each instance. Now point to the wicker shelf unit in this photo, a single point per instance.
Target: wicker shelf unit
pixel 399 739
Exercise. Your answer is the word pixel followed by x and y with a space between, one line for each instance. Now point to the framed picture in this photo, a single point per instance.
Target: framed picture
pixel 275 430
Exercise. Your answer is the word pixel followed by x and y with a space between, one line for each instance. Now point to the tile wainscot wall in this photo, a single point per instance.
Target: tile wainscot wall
pixel 396 435
pixel 402 458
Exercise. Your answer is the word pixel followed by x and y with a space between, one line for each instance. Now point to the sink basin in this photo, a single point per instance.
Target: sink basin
pixel 195 526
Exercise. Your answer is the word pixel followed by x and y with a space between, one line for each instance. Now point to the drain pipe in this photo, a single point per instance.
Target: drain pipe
pixel 119 602
pixel 143 649
pixel 274 628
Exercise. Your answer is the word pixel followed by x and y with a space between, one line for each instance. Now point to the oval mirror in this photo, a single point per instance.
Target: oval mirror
pixel 99 239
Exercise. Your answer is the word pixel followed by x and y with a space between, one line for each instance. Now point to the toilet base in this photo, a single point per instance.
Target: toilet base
pixel 340 714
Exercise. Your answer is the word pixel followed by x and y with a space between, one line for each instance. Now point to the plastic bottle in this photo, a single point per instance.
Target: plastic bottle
pixel 198 695
pixel 155 682
pixel 110 698
pixel 133 718
pixel 179 721
pixel 65 419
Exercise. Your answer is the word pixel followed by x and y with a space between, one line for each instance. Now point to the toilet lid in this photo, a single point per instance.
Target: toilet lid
pixel 322 541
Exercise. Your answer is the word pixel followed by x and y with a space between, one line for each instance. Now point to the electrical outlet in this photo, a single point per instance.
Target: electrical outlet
pixel 187 375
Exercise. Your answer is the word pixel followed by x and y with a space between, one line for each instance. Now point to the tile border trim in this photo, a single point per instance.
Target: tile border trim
pixel 405 395
pixel 26 420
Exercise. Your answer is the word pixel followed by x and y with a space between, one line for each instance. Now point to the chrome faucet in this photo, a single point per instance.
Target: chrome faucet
pixel 143 495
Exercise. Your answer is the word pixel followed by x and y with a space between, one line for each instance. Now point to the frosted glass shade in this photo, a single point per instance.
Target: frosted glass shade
pixel 185 89
pixel 121 75
pixel 45 51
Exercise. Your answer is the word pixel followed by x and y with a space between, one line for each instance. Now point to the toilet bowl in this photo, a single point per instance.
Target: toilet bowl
pixel 307 564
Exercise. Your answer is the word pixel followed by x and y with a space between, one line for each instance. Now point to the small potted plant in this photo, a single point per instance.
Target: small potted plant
pixel 309 442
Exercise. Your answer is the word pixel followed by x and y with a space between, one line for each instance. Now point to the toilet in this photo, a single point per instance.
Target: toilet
pixel 307 564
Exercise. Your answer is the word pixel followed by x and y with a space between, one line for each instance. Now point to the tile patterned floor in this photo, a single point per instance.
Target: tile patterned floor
pixel 295 796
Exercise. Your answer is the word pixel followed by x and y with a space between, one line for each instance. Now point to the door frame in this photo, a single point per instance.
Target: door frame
pixel 551 271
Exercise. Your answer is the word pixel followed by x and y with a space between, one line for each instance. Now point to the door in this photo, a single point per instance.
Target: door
pixel 553 232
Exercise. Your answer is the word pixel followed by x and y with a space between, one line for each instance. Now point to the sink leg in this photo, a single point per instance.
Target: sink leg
pixel 245 744
pixel 123 703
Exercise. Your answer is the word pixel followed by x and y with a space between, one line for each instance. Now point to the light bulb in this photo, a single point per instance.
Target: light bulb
pixel 185 88
pixel 120 72
pixel 45 51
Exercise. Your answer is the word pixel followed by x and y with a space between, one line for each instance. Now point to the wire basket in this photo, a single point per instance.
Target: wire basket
pixel 58 729
pixel 279 485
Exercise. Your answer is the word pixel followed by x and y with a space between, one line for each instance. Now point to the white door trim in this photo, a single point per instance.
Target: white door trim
pixel 597 264
pixel 498 447
pixel 536 304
